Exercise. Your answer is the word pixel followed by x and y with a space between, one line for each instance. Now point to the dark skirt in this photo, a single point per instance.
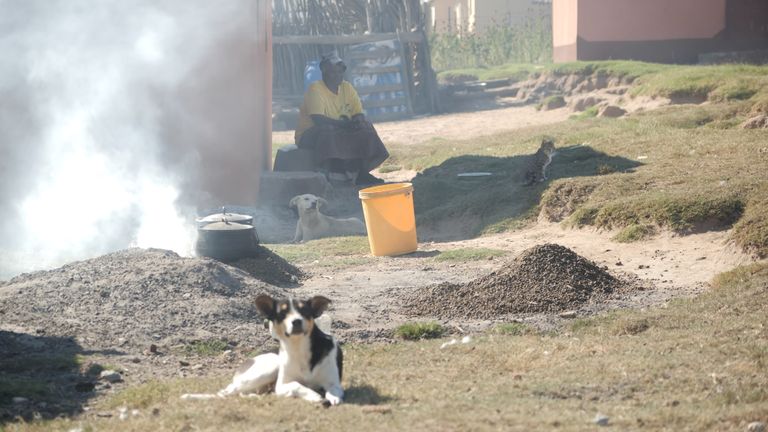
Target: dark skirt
pixel 361 144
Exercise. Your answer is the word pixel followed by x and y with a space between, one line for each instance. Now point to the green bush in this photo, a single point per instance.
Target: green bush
pixel 494 46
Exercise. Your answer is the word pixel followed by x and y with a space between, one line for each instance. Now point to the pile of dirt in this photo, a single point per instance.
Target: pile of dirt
pixel 545 278
pixel 137 297
pixel 271 268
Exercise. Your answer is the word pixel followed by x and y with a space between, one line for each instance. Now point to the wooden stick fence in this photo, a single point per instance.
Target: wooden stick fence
pixel 304 29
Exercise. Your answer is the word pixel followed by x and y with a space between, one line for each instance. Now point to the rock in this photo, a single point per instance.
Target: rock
pixel 601 420
pixel 757 122
pixel 611 111
pixel 584 87
pixel 18 400
pixel 568 314
pixel 554 102
pixel 110 376
pixel 278 187
pixel 585 102
pixel 756 426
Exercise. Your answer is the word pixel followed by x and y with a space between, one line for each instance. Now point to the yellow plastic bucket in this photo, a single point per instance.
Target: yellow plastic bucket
pixel 389 218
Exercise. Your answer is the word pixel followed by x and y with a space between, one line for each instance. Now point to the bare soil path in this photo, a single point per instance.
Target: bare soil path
pixel 463 125
pixel 366 298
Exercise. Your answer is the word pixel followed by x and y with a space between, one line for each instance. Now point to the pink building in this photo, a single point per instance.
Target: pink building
pixel 666 31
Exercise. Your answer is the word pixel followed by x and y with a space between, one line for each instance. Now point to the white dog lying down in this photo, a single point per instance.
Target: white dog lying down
pixel 314 225
pixel 309 360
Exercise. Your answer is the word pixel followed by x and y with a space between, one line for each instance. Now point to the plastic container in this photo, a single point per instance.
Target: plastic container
pixel 389 218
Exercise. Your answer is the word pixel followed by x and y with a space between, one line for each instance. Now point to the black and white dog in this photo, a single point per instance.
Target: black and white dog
pixel 309 361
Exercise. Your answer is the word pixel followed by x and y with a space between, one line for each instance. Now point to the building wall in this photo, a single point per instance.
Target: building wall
pixel 668 31
pixel 233 93
pixel 564 30
pixel 649 20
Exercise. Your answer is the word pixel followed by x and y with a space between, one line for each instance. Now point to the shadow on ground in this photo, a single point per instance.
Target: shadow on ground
pixel 451 208
pixel 364 395
pixel 40 377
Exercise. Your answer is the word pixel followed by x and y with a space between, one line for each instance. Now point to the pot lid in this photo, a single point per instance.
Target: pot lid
pixel 224 216
pixel 226 226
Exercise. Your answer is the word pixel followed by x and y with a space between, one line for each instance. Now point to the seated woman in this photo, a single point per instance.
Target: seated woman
pixel 332 125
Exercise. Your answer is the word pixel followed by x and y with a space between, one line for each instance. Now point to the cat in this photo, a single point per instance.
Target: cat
pixel 537 165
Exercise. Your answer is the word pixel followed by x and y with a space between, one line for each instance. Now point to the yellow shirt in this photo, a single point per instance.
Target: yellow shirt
pixel 320 100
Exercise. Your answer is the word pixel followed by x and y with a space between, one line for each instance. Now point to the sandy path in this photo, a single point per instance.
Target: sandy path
pixel 456 126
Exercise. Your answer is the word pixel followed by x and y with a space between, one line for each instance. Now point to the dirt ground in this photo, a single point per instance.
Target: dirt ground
pixel 462 125
pixel 366 298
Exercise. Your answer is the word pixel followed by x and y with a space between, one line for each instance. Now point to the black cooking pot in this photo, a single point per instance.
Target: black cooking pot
pixel 224 217
pixel 227 241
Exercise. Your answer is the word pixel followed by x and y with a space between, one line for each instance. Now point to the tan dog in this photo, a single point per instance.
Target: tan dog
pixel 314 225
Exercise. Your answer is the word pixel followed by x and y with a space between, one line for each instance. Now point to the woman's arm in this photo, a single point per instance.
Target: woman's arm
pixel 320 119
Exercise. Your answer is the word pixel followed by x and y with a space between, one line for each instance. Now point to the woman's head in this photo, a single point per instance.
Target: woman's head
pixel 332 68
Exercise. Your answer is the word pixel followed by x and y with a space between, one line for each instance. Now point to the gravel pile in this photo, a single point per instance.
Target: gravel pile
pixel 545 278
pixel 271 268
pixel 136 297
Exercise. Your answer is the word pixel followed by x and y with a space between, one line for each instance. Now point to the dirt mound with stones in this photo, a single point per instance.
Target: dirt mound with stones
pixel 271 268
pixel 545 278
pixel 138 297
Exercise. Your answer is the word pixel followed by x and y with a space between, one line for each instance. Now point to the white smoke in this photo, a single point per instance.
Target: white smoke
pixel 91 159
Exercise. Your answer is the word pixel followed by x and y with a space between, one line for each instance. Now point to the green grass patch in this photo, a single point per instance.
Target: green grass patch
pixel 389 168
pixel 470 254
pixel 512 329
pixel 751 231
pixel 551 102
pixel 419 330
pixel 635 232
pixel 332 251
pixel 742 275
pixel 684 212
pixel 716 83
pixel 590 112
pixel 207 347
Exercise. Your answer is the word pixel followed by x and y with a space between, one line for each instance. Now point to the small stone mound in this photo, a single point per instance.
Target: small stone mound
pixel 547 278
pixel 269 267
pixel 757 122
pixel 135 297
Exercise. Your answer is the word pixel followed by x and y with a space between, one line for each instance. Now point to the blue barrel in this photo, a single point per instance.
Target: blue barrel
pixel 311 73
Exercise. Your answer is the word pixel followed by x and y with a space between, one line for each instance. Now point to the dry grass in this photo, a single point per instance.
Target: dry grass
pixel 672 169
pixel 695 365
pixel 470 254
pixel 327 252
